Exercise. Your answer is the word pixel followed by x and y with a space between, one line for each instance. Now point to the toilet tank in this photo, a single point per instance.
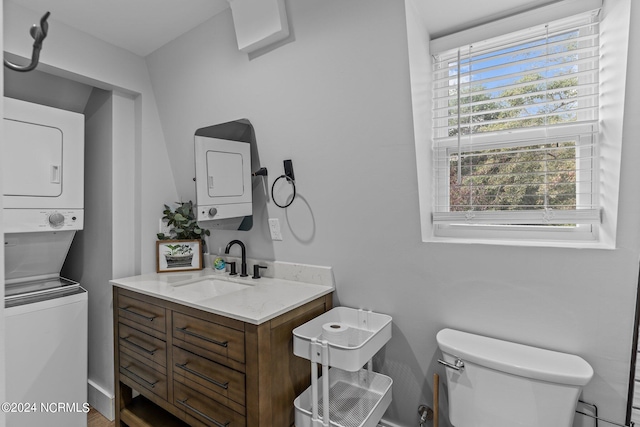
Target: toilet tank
pixel 504 384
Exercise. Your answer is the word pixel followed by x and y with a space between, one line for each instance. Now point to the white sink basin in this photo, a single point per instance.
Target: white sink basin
pixel 205 288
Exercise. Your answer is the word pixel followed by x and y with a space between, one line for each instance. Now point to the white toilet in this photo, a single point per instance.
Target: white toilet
pixel 494 383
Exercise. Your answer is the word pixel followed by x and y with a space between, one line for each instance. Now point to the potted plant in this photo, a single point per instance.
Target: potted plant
pixel 183 224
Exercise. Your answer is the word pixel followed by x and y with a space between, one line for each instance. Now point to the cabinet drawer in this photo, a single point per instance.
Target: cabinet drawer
pixel 143 375
pixel 218 381
pixel 143 344
pixel 142 313
pixel 203 410
pixel 210 336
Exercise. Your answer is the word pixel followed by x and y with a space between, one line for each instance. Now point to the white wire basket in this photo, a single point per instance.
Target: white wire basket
pixel 356 399
pixel 367 333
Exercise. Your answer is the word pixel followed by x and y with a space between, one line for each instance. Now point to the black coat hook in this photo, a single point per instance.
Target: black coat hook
pixel 38 33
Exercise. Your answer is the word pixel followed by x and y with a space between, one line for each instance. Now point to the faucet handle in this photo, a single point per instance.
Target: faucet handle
pixel 256 270
pixel 232 267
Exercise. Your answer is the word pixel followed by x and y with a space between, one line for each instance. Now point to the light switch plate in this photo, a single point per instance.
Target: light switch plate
pixel 274 229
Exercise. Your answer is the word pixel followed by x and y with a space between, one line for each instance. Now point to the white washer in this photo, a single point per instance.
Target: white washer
pixel 46 333
pixel 46 354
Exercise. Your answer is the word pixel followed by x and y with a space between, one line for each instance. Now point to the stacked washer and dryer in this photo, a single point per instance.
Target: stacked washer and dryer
pixel 46 315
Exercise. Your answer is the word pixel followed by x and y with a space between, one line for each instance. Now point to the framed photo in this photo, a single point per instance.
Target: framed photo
pixel 178 255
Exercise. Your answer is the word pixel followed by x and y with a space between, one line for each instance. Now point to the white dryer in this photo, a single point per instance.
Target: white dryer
pixel 46 316
pixel 42 168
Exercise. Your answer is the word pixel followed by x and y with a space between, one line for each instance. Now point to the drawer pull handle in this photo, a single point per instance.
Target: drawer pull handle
pixel 204 377
pixel 138 346
pixel 193 334
pixel 130 372
pixel 205 416
pixel 150 319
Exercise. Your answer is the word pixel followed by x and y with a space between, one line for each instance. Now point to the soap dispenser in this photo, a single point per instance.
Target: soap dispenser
pixel 219 264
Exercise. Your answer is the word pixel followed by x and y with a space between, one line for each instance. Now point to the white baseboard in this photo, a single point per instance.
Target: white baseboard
pixel 101 400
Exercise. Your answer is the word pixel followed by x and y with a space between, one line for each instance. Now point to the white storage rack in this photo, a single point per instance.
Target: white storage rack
pixel 350 395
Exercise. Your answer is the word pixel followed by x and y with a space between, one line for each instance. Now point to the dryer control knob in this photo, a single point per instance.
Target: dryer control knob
pixel 213 211
pixel 56 219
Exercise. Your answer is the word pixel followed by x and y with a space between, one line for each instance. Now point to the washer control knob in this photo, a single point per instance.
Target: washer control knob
pixel 56 219
pixel 213 211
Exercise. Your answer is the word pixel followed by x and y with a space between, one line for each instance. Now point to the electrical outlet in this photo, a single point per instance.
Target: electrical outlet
pixel 274 229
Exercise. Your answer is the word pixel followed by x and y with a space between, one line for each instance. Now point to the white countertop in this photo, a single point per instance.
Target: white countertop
pixel 258 301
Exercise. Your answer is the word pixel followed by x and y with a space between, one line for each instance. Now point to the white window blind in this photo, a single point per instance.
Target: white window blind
pixel 515 122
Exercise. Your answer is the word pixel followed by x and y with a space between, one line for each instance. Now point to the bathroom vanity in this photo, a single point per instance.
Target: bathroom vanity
pixel 209 350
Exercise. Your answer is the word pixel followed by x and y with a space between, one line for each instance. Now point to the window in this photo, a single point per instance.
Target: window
pixel 515 134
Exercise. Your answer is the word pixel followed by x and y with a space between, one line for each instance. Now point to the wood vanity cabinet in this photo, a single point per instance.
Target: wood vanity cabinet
pixel 194 368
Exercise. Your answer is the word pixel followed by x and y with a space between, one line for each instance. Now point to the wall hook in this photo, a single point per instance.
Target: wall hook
pixel 38 33
pixel 260 172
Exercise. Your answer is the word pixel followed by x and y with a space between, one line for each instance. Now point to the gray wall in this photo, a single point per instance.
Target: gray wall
pixel 337 101
pixel 89 263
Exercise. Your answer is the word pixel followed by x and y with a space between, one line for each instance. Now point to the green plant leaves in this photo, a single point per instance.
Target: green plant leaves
pixel 183 223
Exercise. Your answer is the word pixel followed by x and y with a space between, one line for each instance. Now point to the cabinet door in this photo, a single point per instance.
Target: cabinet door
pixel 32 161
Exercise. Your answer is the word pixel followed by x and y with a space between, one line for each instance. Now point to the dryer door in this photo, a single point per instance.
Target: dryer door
pixel 43 161
pixel 32 163
pixel 223 178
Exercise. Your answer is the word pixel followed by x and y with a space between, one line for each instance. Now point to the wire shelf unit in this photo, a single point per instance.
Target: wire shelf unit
pixel 350 395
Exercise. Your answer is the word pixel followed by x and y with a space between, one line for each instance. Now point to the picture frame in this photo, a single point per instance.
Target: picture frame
pixel 178 255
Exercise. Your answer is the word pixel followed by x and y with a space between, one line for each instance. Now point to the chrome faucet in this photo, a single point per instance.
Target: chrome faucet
pixel 243 266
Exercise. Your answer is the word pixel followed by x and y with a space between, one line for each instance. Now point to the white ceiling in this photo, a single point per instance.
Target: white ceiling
pixel 142 26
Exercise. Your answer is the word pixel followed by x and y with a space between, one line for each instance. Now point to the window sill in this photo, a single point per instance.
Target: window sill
pixel 523 243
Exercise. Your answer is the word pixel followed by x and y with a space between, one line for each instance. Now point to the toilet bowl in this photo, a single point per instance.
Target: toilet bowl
pixel 495 383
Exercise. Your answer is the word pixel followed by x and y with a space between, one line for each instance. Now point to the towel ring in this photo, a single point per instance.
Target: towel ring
pixel 293 183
